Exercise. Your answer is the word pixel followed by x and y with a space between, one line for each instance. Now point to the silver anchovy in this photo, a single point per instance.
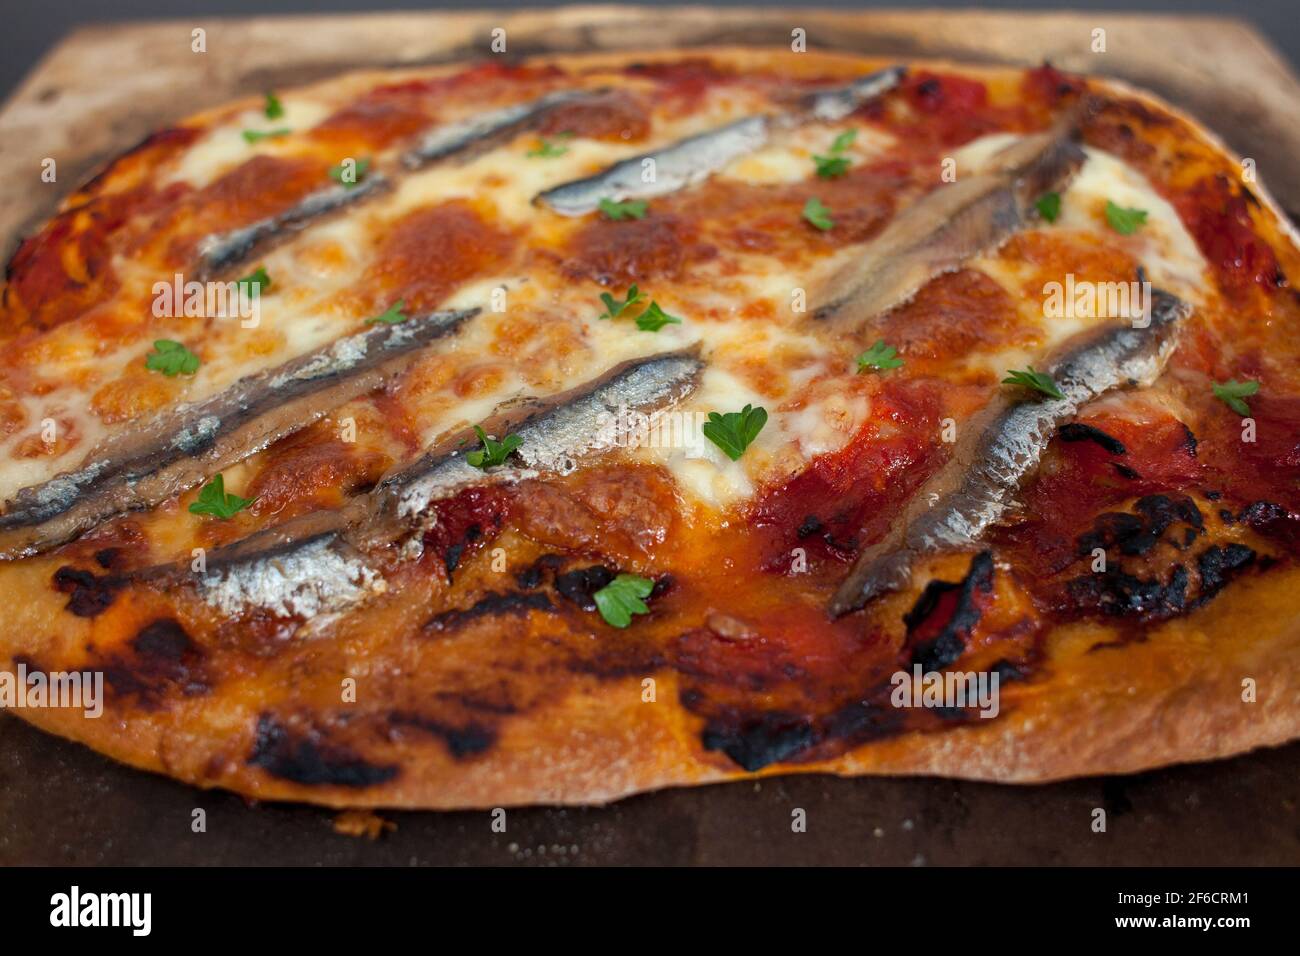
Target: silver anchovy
pixel 458 137
pixel 831 106
pixel 180 447
pixel 692 160
pixel 222 250
pixel 1001 446
pixel 945 228
pixel 317 562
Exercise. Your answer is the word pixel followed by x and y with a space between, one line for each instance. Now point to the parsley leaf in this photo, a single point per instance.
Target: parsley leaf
pixel 213 500
pixel 1039 381
pixel 549 149
pixel 171 358
pixel 257 135
pixel 618 600
pixel 1122 220
pixel 493 452
pixel 654 318
pixel 393 315
pixel 340 173
pixel 817 214
pixel 617 211
pixel 1232 394
pixel 273 108
pixel 1049 206
pixel 734 431
pixel 835 164
pixel 614 308
pixel 880 356
pixel 257 281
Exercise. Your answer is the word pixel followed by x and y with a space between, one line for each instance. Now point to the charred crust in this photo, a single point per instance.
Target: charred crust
pixel 1118 594
pixel 492 604
pixel 762 740
pixel 308 757
pixel 1078 431
pixel 1219 565
pixel 580 584
pixel 936 653
pixel 1137 534
pixel 89 595
pixel 463 740
pixel 163 659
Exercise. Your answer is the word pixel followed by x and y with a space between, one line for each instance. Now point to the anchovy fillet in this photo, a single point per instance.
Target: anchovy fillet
pixel 689 161
pixel 1001 446
pixel 945 228
pixel 831 106
pixel 181 447
pixel 220 251
pixel 457 137
pixel 317 562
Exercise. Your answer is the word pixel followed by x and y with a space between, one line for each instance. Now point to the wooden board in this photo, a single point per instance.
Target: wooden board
pixel 105 87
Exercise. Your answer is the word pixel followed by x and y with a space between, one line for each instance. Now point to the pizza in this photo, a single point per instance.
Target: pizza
pixel 554 430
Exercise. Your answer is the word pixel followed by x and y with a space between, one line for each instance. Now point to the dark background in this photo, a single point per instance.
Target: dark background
pixel 31 27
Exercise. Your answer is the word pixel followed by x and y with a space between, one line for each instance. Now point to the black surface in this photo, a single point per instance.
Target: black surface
pixel 63 804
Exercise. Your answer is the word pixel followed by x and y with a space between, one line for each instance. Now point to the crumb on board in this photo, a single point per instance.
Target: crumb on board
pixel 362 823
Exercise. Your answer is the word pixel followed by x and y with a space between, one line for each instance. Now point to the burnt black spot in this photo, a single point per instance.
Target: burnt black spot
pixel 452 557
pixel 163 659
pixel 89 594
pixel 106 558
pixel 1077 431
pixel 308 758
pixel 1212 495
pixel 1118 594
pixel 1259 513
pixel 936 653
pixel 1006 671
pixel 762 740
pixel 462 740
pixel 579 585
pixel 1124 471
pixel 533 575
pixel 492 604
pixel 1219 565
pixel 1137 534
pixel 1189 440
pixel 811 525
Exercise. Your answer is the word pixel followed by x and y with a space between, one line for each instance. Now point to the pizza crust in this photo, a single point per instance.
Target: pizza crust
pixel 1175 696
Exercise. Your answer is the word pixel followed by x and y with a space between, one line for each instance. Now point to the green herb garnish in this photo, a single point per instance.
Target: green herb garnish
pixel 618 600
pixel 273 108
pixel 549 149
pixel 835 163
pixel 617 211
pixel 171 358
pixel 256 135
pixel 1039 381
pixel 1232 394
pixel 734 431
pixel 614 308
pixel 1124 221
pixel 817 214
pixel 654 318
pixel 880 357
pixel 340 175
pixel 493 452
pixel 393 315
pixel 257 281
pixel 1049 206
pixel 213 500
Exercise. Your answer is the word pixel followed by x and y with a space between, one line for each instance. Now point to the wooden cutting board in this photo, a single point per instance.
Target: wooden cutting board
pixel 105 87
